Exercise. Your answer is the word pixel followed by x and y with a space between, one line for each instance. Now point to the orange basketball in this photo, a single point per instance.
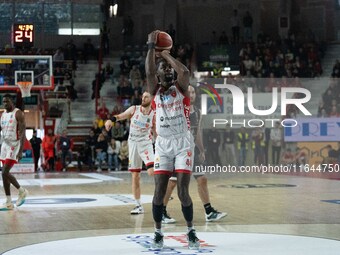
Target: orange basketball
pixel 164 41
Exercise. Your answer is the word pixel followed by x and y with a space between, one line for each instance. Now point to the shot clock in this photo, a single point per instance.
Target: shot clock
pixel 23 35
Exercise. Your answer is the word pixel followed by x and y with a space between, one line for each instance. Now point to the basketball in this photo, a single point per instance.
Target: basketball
pixel 164 41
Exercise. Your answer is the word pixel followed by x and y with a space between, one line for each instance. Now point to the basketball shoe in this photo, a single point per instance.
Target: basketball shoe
pixel 7 206
pixel 193 241
pixel 214 215
pixel 157 242
pixel 137 210
pixel 22 197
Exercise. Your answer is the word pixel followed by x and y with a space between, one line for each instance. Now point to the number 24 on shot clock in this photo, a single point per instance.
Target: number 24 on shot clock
pixel 23 35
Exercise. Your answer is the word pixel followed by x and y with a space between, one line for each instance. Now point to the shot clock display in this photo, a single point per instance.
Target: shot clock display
pixel 23 35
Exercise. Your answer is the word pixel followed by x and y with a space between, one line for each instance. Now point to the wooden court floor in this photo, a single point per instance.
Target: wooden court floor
pixel 256 203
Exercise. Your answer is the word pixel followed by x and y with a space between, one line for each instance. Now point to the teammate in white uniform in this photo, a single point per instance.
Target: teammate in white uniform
pixel 174 143
pixel 13 138
pixel 140 143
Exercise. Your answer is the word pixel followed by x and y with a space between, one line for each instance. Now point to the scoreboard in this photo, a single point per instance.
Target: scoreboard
pixel 23 35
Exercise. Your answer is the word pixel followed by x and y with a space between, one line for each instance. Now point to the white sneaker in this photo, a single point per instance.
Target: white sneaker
pixel 215 215
pixel 166 219
pixel 99 170
pixel 70 165
pixel 7 206
pixel 22 197
pixel 137 210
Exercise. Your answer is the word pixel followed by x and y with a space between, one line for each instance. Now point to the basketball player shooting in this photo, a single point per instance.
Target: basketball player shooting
pixel 174 142
pixel 13 136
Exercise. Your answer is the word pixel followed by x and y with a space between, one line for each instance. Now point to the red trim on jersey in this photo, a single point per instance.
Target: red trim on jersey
pixel 133 112
pixel 153 104
pixel 186 109
pixel 162 172
pixel 150 163
pixel 9 162
pixel 140 109
pixel 135 170
pixel 185 171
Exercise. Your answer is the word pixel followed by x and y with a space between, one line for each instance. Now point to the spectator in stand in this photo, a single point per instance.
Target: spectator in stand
pixel 58 76
pixel 90 146
pixel 276 141
pixel 332 155
pixel 288 157
pixel 58 58
pixel 135 74
pixel 102 111
pixel 48 144
pixel 300 157
pixel 96 129
pixel 99 124
pixel 229 145
pixel 117 131
pixel 109 72
pixel 125 68
pixel 112 155
pixel 334 113
pixel 242 146
pixel 126 91
pixel 84 157
pixel 124 154
pixel 101 149
pixel 116 110
pixel 71 54
pixel 138 86
pixel 248 64
pixel 65 147
pixel 258 144
pixel 136 98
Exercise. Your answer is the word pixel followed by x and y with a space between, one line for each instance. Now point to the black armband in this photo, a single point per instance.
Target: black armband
pixel 151 45
pixel 113 119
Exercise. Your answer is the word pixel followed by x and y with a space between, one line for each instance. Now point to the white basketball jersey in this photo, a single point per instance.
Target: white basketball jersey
pixel 172 112
pixel 141 125
pixel 9 126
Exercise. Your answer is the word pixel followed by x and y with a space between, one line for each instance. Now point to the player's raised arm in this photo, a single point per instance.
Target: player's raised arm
pixel 183 73
pixel 122 116
pixel 150 63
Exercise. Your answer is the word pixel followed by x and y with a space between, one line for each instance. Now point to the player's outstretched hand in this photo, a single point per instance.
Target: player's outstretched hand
pixel 108 125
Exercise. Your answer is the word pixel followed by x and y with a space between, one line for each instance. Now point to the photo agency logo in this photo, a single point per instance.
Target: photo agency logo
pixel 250 109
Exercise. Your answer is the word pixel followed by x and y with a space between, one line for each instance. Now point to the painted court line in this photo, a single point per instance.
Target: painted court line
pixel 101 177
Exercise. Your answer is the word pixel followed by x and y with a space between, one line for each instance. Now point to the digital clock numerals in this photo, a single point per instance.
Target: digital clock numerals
pixel 20 36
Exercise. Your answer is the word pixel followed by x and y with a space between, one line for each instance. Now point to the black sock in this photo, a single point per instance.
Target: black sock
pixel 157 212
pixel 188 212
pixel 208 208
